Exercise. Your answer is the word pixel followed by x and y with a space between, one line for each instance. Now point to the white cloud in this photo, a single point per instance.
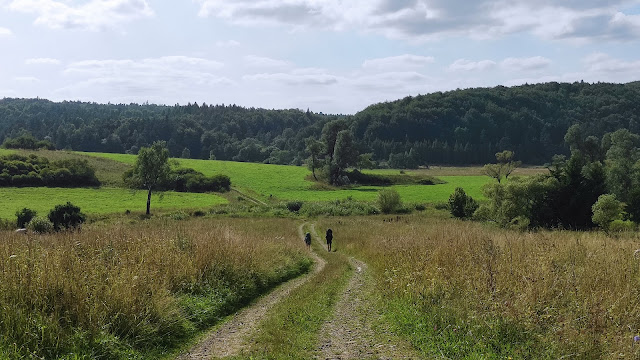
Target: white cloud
pixel 228 44
pixel 265 62
pixel 167 78
pixel 26 79
pixel 468 65
pixel 5 32
pixel 92 15
pixel 42 61
pixel 603 63
pixel 427 19
pixel 294 79
pixel 401 62
pixel 525 64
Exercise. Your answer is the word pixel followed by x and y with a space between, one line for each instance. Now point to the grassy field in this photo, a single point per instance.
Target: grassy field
pixel 136 291
pixel 289 182
pixel 464 290
pixel 98 201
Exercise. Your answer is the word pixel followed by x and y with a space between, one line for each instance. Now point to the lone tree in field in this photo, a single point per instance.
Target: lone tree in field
pixel 151 169
pixel 504 167
pixel 315 149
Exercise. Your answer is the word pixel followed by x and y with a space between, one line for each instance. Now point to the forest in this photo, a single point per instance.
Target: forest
pixel 459 127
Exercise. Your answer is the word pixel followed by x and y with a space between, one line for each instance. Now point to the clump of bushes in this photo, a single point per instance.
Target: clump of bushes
pixel 67 216
pixel 24 216
pixel 190 180
pixel 40 225
pixel 27 141
pixel 389 200
pixel 32 170
pixel 461 205
pixel 338 208
pixel 294 206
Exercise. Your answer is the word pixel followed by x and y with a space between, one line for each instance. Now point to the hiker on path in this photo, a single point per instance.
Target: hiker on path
pixel 329 239
pixel 307 240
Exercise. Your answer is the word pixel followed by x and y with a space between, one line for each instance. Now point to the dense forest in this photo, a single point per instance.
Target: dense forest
pixel 456 127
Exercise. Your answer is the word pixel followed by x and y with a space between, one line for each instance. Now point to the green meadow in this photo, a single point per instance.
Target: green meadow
pixel 290 182
pixel 98 201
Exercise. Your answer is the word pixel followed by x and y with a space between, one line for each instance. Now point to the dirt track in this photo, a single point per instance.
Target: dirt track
pixel 231 338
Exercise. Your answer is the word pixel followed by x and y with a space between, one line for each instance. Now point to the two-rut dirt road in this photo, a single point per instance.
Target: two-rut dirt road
pixel 352 332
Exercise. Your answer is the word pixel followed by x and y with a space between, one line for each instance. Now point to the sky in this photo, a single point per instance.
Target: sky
pixel 330 56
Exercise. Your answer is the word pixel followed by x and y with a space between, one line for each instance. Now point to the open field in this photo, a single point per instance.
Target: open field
pixel 141 290
pixel 289 182
pixel 465 290
pixel 99 200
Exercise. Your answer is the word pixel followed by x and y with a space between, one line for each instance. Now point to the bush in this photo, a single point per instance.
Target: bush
pixel 606 210
pixel 24 216
pixel 622 226
pixel 461 205
pixel 294 206
pixel 389 200
pixel 66 216
pixel 420 207
pixel 40 225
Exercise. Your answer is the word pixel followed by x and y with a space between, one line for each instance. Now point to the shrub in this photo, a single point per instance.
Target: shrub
pixel 421 207
pixel 40 225
pixel 389 200
pixel 66 216
pixel 606 210
pixel 294 206
pixel 24 216
pixel 461 205
pixel 622 226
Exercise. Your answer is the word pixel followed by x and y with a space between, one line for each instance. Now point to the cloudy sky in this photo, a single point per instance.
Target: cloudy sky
pixel 332 56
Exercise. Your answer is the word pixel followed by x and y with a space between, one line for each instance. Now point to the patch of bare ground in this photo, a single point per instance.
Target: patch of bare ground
pixel 231 338
pixel 356 330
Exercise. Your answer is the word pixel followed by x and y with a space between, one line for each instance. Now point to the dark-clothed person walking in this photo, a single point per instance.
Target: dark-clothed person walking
pixel 329 239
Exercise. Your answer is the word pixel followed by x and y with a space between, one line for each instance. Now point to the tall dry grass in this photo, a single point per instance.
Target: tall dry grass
pixel 109 292
pixel 463 290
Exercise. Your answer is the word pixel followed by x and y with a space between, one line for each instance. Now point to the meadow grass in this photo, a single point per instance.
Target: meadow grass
pixel 99 200
pixel 464 290
pixel 136 291
pixel 291 329
pixel 290 182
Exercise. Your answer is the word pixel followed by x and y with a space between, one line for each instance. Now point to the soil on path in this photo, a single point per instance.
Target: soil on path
pixel 231 338
pixel 355 330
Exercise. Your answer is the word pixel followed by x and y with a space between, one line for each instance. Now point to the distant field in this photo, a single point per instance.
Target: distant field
pixel 288 182
pixel 98 201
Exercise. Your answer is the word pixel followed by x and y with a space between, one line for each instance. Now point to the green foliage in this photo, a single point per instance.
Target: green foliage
pixel 150 170
pixel 346 207
pixel 40 225
pixel 27 141
pixel 24 216
pixel 389 200
pixel 461 205
pixel 504 166
pixel 67 216
pixel 19 170
pixel 617 226
pixel 606 210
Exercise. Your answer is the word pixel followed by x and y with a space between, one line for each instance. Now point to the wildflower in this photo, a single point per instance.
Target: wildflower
pixel 636 338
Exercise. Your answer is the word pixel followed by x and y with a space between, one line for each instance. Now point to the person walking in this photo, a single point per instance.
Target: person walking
pixel 307 240
pixel 329 239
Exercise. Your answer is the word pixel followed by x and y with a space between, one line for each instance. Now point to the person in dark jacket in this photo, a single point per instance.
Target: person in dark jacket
pixel 329 239
pixel 307 240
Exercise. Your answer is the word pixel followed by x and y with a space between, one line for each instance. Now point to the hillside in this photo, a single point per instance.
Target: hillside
pixel 457 127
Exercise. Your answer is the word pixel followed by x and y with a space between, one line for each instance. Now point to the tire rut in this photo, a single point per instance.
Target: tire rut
pixel 355 331
pixel 230 339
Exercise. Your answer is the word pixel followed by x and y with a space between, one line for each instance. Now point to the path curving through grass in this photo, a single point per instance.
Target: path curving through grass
pixel 232 337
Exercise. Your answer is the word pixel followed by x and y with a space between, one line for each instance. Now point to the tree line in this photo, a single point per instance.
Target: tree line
pixel 456 127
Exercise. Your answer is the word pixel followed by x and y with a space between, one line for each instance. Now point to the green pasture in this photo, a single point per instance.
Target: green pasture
pixel 289 182
pixel 98 201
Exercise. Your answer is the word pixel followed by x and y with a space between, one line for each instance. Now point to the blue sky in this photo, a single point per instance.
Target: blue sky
pixel 332 56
